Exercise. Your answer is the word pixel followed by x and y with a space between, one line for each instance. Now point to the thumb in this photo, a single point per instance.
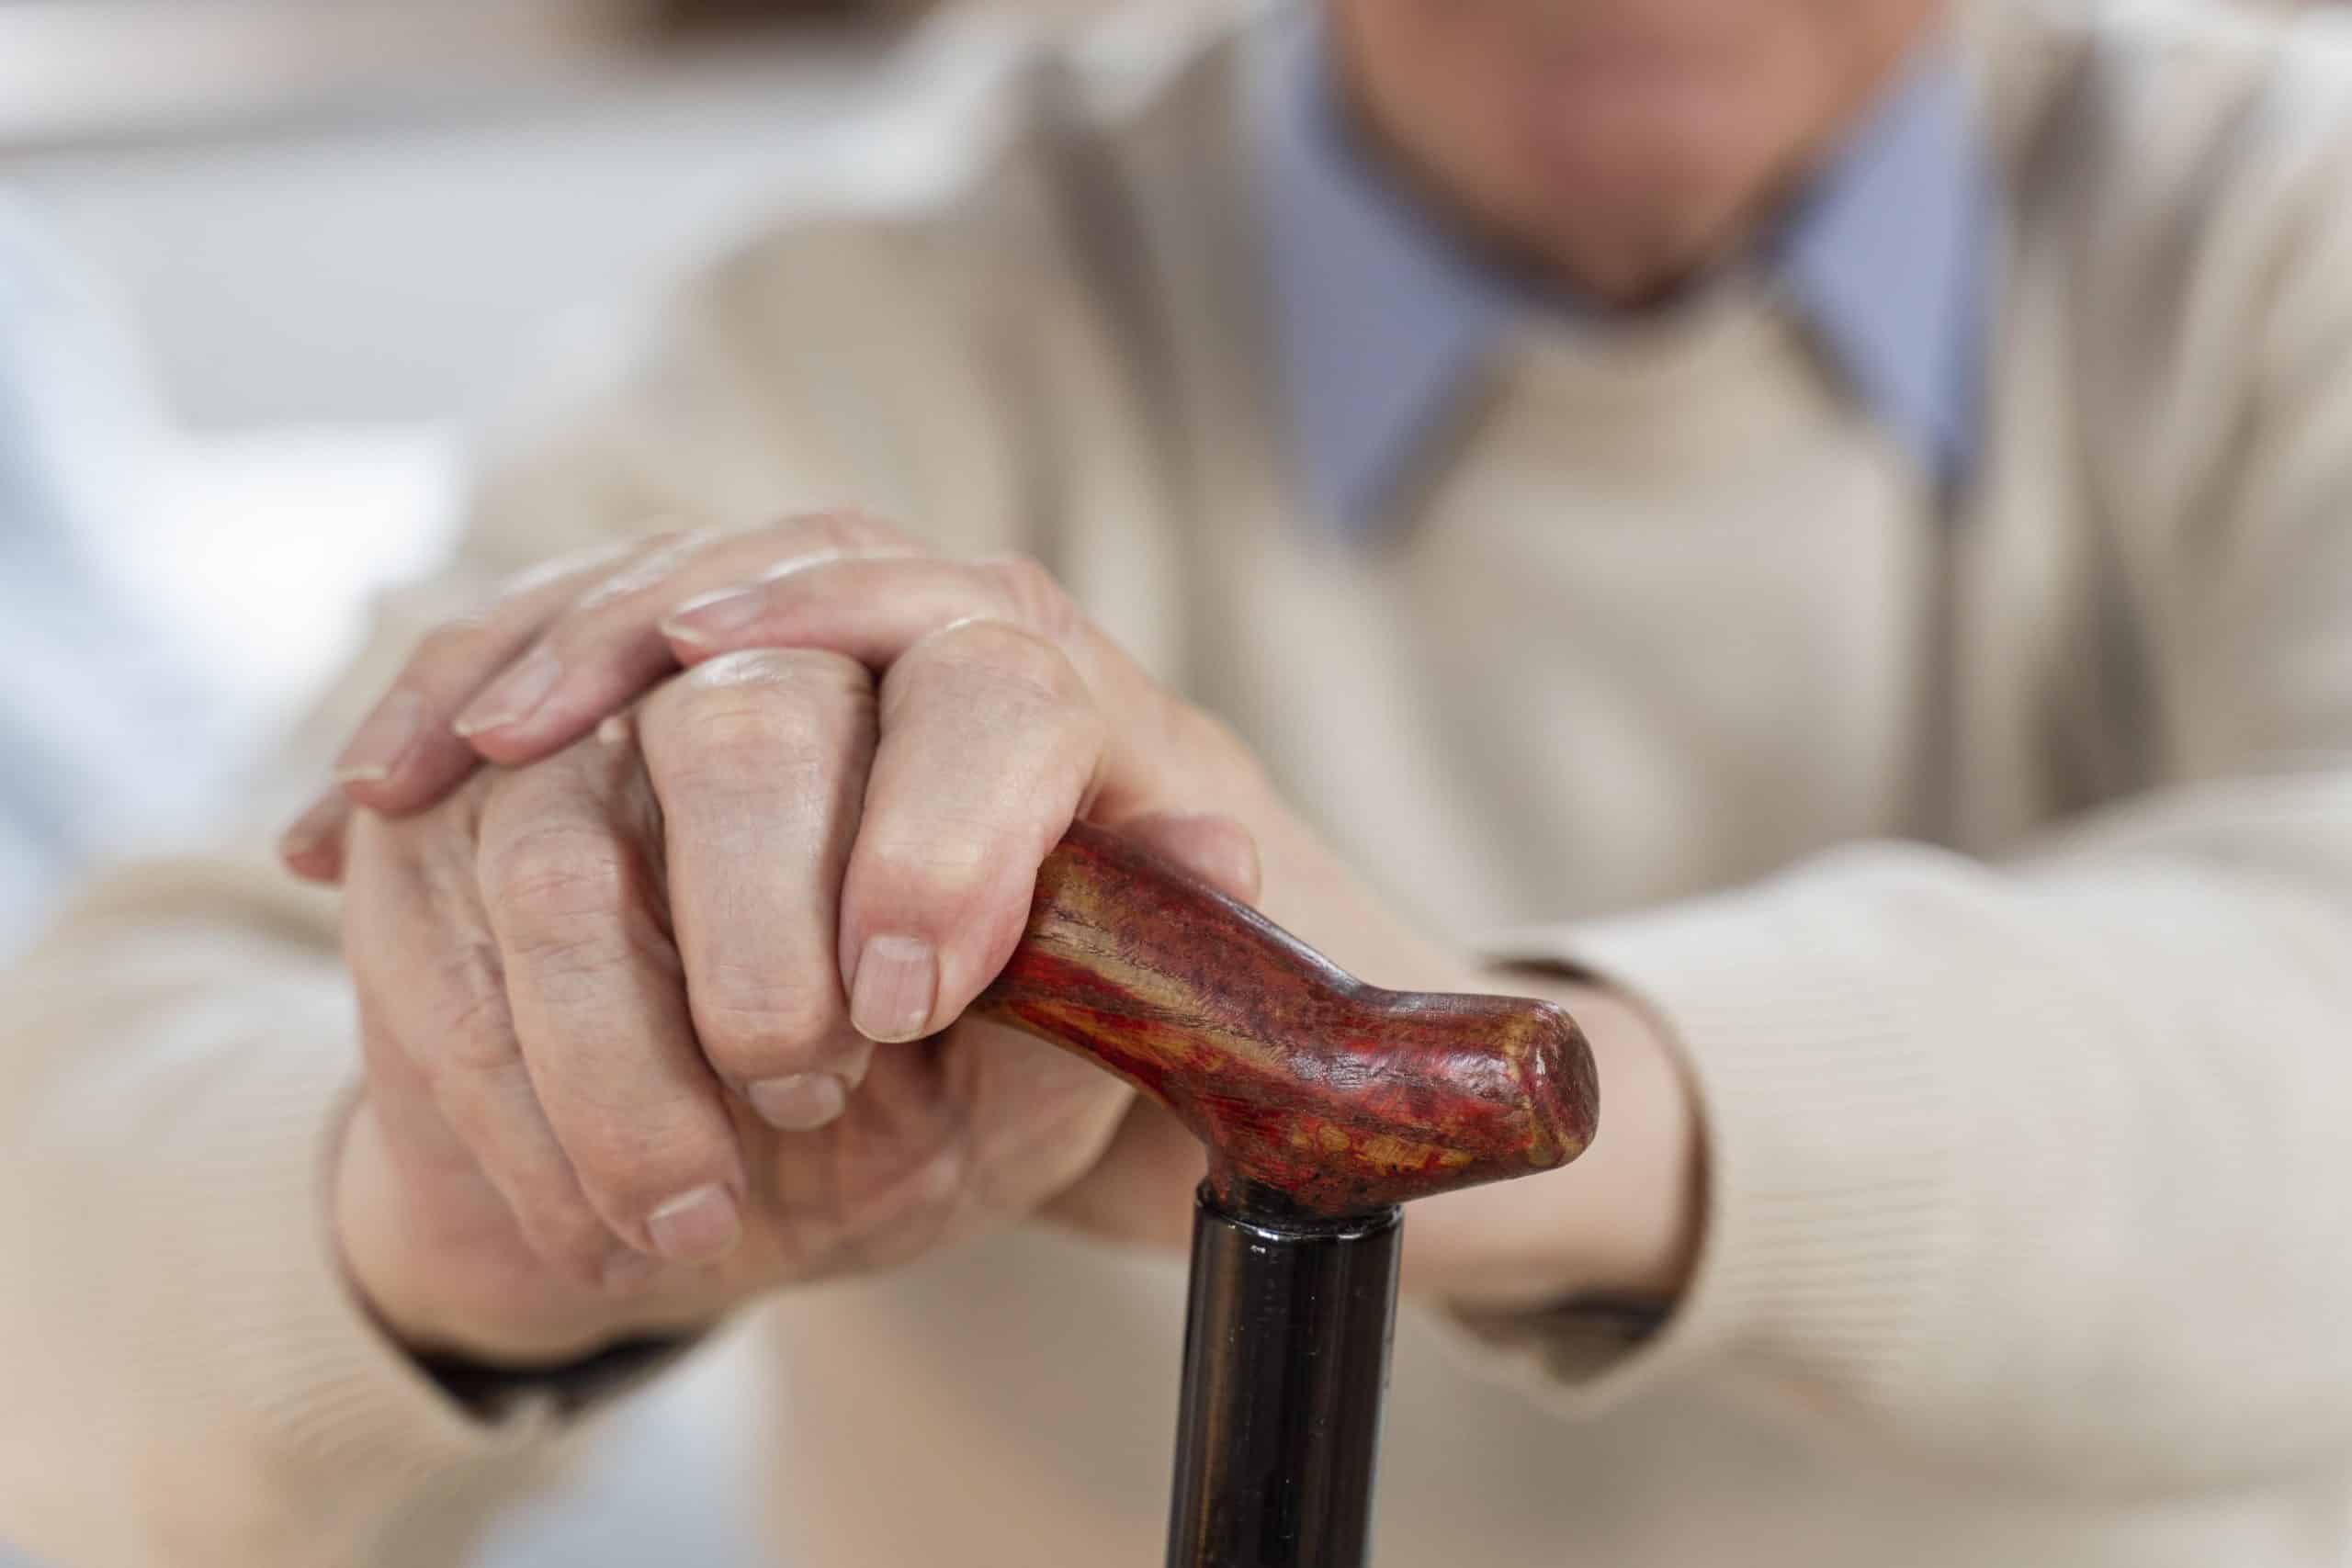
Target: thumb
pixel 311 848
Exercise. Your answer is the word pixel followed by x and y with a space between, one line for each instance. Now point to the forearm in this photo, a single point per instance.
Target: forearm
pixel 2034 1165
pixel 190 1382
pixel 1620 1225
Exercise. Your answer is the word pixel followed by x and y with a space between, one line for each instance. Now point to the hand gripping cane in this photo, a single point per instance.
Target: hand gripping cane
pixel 1324 1104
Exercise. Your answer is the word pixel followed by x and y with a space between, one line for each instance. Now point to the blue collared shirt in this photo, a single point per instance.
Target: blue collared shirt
pixel 1382 316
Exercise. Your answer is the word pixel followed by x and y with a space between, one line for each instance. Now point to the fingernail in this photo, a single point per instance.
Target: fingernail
pixel 512 697
pixel 626 1271
pixel 799 1102
pixel 315 827
pixel 382 741
pixel 705 620
pixel 897 979
pixel 697 1226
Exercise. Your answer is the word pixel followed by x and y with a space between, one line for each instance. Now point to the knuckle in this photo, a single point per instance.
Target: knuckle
pixel 941 866
pixel 628 1169
pixel 1004 655
pixel 453 645
pixel 1194 731
pixel 730 748
pixel 558 874
pixel 844 528
pixel 531 580
pixel 568 961
pixel 756 707
pixel 752 1022
pixel 374 843
pixel 1202 730
pixel 471 1034
pixel 1035 594
pixel 662 556
pixel 769 668
pixel 742 735
pixel 565 1232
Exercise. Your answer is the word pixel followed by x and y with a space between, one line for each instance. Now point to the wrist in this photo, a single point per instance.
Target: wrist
pixel 433 1295
pixel 1620 1222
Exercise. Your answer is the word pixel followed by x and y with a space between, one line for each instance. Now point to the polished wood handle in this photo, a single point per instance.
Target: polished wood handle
pixel 1310 1088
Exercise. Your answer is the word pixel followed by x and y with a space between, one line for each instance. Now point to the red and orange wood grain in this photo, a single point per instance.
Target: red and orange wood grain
pixel 1302 1081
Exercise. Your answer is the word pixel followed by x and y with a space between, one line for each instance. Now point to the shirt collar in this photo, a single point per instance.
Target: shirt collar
pixel 1888 259
pixel 1381 315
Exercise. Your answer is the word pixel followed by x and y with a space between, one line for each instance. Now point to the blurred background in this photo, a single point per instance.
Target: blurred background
pixel 261 263
pixel 261 260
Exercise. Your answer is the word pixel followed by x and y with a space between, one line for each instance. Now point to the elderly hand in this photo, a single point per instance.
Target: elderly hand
pixel 622 997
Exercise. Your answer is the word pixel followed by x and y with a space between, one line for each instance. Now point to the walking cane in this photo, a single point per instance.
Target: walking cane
pixel 1324 1104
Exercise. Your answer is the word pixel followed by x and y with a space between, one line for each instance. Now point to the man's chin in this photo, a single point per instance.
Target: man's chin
pixel 1629 218
pixel 1633 257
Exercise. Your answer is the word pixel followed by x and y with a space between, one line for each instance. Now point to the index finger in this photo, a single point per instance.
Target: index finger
pixel 876 610
pixel 403 756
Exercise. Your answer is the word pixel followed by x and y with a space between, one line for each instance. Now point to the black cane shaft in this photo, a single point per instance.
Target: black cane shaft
pixel 1285 1363
pixel 1322 1102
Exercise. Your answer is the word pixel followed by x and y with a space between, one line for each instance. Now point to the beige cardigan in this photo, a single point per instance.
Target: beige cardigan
pixel 2030 1152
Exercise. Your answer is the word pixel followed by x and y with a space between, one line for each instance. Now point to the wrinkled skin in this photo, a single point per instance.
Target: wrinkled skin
pixel 666 1010
pixel 628 1058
